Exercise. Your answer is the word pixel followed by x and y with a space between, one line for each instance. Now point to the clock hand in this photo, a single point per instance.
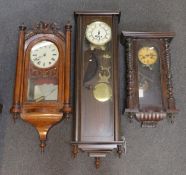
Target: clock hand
pixel 98 35
pixel 38 58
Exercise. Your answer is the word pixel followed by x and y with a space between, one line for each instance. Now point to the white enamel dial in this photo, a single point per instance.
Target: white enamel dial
pixel 98 33
pixel 44 54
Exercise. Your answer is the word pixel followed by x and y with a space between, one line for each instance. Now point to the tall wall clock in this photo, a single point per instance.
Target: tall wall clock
pixel 149 80
pixel 97 114
pixel 42 83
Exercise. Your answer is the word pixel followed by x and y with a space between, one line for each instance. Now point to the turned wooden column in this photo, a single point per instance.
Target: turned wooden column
pixel 67 106
pixel 130 75
pixel 171 100
pixel 16 109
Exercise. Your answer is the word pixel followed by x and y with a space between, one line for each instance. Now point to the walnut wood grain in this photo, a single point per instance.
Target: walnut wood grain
pixel 16 107
pixel 45 114
pixel 67 106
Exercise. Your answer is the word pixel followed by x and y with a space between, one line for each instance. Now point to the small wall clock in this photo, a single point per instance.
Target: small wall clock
pixel 149 80
pixel 97 116
pixel 42 84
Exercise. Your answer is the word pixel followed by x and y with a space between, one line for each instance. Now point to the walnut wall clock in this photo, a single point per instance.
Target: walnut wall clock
pixel 42 83
pixel 97 116
pixel 149 80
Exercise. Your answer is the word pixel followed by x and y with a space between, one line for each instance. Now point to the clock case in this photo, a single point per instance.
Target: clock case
pixel 149 117
pixel 42 115
pixel 83 140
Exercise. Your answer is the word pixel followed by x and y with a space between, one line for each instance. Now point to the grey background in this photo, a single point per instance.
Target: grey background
pixel 158 151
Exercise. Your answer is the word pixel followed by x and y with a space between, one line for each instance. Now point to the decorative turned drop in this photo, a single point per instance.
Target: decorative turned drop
pixel 119 151
pixel 97 162
pixel 74 151
pixel 42 145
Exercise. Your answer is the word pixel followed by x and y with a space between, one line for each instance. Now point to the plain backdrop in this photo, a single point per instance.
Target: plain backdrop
pixel 154 151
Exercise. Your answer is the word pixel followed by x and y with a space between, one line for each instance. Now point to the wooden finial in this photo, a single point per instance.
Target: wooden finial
pixel 68 26
pixel 42 145
pixel 119 151
pixel 22 27
pixel 97 162
pixel 15 117
pixel 74 151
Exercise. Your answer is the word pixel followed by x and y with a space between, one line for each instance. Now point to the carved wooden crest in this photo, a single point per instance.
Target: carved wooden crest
pixel 45 28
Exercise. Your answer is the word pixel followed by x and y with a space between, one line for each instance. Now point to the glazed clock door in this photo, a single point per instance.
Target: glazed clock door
pixel 149 77
pixel 96 90
pixel 97 108
pixel 42 78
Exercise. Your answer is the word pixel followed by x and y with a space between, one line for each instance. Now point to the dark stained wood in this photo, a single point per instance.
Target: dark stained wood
pixel 99 13
pixel 1 108
pixel 148 35
pixel 96 125
pixel 132 40
pixel 42 115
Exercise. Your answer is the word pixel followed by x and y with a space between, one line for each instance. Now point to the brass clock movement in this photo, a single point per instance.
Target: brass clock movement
pixel 149 80
pixel 97 113
pixel 42 83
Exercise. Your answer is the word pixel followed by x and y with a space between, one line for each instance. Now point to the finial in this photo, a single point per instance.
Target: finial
pixel 97 162
pixel 42 145
pixel 22 27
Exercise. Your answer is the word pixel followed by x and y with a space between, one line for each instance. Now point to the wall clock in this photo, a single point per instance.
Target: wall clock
pixel 42 83
pixel 97 115
pixel 149 80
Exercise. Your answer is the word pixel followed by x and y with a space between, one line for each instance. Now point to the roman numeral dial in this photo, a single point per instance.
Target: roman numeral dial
pixel 44 54
pixel 98 33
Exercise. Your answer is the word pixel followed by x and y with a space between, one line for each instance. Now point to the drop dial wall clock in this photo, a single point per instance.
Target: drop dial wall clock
pixel 149 80
pixel 42 83
pixel 97 116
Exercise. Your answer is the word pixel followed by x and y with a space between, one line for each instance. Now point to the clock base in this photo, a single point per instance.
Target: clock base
pixel 42 123
pixel 98 150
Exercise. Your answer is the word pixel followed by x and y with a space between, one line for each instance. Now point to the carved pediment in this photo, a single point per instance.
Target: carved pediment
pixel 45 28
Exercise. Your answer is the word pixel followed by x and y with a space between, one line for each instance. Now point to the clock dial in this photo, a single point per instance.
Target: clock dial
pixel 147 55
pixel 98 33
pixel 44 54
